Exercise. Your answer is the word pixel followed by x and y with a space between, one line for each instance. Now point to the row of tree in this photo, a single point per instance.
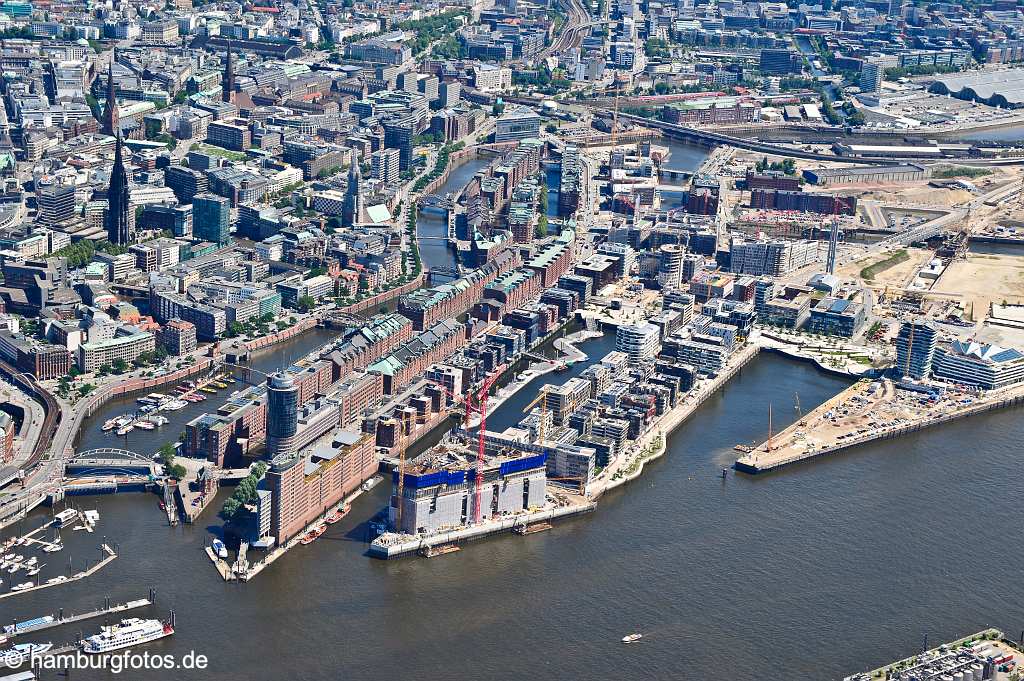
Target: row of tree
pixel 244 494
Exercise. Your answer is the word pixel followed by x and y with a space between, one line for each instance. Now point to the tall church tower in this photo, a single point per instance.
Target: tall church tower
pixel 352 208
pixel 111 124
pixel 228 82
pixel 118 201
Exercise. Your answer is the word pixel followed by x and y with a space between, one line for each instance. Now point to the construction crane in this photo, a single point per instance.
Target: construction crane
pixel 909 349
pixel 542 398
pixel 768 444
pixel 481 406
pixel 799 411
pixel 403 443
pixel 615 113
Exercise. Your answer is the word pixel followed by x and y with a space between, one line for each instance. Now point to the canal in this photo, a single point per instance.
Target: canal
pixel 267 360
pixel 431 230
pixel 811 573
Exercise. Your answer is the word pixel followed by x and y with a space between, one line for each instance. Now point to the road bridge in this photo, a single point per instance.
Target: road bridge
pixel 109 461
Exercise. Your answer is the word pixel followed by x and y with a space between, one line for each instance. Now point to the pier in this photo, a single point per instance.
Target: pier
pixel 110 555
pixel 865 412
pixel 61 619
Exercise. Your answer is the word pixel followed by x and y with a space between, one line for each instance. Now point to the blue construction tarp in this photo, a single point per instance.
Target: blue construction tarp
pixel 430 479
pixel 524 464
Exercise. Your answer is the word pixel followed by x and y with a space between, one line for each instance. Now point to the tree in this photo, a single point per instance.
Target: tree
pixel 235 329
pixel 306 303
pixel 166 454
pixel 661 88
pixel 230 509
pixel 120 366
pixel 246 491
pixel 86 389
pixel 541 230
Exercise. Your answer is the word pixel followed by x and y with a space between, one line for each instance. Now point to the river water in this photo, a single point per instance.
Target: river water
pixel 811 573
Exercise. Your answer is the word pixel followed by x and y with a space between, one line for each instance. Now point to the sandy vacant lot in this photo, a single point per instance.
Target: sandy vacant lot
pixel 983 279
pixel 898 275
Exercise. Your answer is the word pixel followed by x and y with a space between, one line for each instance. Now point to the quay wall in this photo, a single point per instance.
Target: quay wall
pixel 395 549
pixel 385 296
pixel 882 434
pixel 279 336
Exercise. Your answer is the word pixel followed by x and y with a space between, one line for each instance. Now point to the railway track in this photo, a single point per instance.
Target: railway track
pixel 51 411
pixel 571 35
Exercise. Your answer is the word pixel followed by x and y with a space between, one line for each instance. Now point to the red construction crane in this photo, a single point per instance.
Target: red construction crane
pixel 481 399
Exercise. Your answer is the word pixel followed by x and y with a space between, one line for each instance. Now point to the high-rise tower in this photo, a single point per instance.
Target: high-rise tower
pixel 228 83
pixel 118 219
pixel 282 414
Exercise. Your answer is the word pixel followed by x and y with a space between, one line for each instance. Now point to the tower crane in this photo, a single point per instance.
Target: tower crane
pixel 480 397
pixel 543 399
pixel 910 347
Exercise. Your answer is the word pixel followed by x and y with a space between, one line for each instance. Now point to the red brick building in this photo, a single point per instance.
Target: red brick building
pixel 305 486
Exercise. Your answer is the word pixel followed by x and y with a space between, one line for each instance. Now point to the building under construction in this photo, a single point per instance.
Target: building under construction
pixel 439 488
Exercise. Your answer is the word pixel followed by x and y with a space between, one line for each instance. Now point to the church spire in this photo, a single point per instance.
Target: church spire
pixel 118 218
pixel 110 123
pixel 228 83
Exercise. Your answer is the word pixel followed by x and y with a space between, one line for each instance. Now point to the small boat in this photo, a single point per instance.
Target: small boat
pixel 432 551
pixel 313 535
pixel 158 420
pixel 338 514
pixel 208 389
pixel 123 420
pixel 219 548
pixel 23 586
pixel 531 529
pixel 371 483
pixel 632 638
pixel 561 368
pixel 163 506
pixel 220 384
pixel 124 430
pixel 35 571
pixel 173 405
pixel 109 425
pixel 27 650
pixel 145 425
pixel 53 548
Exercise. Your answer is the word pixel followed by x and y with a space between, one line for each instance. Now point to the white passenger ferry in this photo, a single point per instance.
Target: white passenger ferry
pixel 130 632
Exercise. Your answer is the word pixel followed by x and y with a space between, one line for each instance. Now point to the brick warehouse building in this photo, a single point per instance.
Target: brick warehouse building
pixel 306 485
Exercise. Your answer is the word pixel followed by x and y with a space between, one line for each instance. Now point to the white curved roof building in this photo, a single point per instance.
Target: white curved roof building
pixel 1004 89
